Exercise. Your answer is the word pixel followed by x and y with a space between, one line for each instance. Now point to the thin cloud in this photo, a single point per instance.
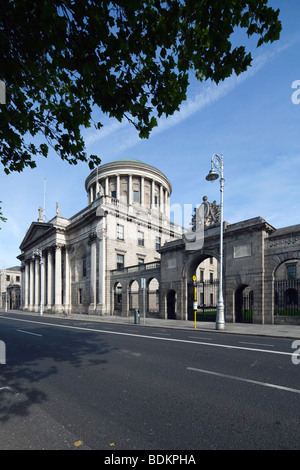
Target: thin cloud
pixel 125 136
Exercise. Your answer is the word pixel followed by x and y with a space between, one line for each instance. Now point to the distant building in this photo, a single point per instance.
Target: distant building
pixel 10 288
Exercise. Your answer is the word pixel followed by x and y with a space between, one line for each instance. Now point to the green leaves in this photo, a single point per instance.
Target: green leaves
pixel 130 59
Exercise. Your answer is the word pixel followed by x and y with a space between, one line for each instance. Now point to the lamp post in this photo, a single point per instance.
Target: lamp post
pixel 39 253
pixel 217 163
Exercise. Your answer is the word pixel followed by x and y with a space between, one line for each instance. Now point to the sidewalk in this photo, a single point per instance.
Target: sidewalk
pixel 283 331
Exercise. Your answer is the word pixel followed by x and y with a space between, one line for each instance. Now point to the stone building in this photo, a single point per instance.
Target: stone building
pixel 66 263
pixel 122 252
pixel 10 288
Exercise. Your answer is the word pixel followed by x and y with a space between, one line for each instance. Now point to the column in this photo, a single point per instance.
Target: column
pixel 31 284
pixel 102 267
pixel 142 190
pixel 42 283
pixel 166 203
pixel 130 189
pixel 152 194
pixel 57 281
pixel 36 284
pixel 118 190
pixel 49 300
pixel 106 186
pixel 67 304
pixel 26 286
pixel 161 199
pixel 92 306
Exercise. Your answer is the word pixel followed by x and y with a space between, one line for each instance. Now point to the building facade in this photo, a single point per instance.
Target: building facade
pixel 66 263
pixel 122 252
pixel 10 288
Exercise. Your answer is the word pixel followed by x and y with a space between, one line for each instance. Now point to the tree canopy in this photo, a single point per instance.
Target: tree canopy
pixel 129 58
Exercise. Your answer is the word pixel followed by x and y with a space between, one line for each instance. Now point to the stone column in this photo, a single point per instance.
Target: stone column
pixel 152 194
pixel 42 283
pixel 161 199
pixel 57 282
pixel 102 267
pixel 129 189
pixel 142 190
pixel 93 291
pixel 67 303
pixel 49 300
pixel 31 284
pixel 37 284
pixel 26 286
pixel 118 190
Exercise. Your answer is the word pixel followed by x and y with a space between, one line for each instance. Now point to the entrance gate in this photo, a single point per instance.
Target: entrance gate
pixel 244 305
pixel 287 298
pixel 207 298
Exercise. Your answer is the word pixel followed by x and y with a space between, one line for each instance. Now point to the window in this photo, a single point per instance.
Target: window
pixel 140 238
pixel 136 196
pixel 120 232
pixel 17 278
pixel 84 268
pixel 155 201
pixel 157 243
pixel 114 194
pixel 141 260
pixel 291 271
pixel 7 277
pixel 211 277
pixel 120 261
pixel 80 296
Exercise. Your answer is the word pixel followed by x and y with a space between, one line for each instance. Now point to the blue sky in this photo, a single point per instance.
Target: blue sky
pixel 250 119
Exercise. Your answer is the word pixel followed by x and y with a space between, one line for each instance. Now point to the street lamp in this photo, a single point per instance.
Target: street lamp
pixel 217 163
pixel 39 253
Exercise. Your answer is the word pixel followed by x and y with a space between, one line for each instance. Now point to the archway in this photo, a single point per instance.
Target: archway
pixel 133 295
pixel 206 269
pixel 244 304
pixel 287 289
pixel 118 298
pixel 153 297
pixel 171 305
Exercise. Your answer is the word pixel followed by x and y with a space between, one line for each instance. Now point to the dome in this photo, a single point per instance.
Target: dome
pixel 129 181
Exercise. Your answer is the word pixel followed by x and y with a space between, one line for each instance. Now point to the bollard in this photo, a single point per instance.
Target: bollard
pixel 137 317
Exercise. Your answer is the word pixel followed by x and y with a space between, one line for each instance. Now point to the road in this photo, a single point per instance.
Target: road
pixel 72 384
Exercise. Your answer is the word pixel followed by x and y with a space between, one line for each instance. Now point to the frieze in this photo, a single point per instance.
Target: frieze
pixel 284 241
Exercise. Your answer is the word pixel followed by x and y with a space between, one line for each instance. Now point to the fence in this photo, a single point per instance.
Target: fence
pixel 287 297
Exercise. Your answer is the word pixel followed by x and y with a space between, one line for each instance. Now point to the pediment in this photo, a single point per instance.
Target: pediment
pixel 34 233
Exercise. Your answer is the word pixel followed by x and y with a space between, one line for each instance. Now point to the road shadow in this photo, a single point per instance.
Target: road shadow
pixel 37 364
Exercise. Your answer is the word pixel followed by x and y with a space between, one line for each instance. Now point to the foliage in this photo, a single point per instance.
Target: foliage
pixel 131 59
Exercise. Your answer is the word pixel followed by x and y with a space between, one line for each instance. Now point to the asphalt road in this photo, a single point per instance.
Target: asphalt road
pixel 83 385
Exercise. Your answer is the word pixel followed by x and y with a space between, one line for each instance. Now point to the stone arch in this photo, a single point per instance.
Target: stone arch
pixel 133 291
pixel 195 259
pixel 118 297
pixel 152 301
pixel 189 270
pixel 243 304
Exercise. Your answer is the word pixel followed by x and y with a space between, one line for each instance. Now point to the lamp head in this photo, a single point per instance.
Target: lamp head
pixel 212 175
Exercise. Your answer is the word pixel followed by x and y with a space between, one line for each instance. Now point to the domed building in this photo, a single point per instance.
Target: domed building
pixel 68 264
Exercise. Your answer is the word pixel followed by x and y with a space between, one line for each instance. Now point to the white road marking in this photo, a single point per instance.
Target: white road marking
pixel 255 382
pixel 175 340
pixel 200 337
pixel 256 344
pixel 29 333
